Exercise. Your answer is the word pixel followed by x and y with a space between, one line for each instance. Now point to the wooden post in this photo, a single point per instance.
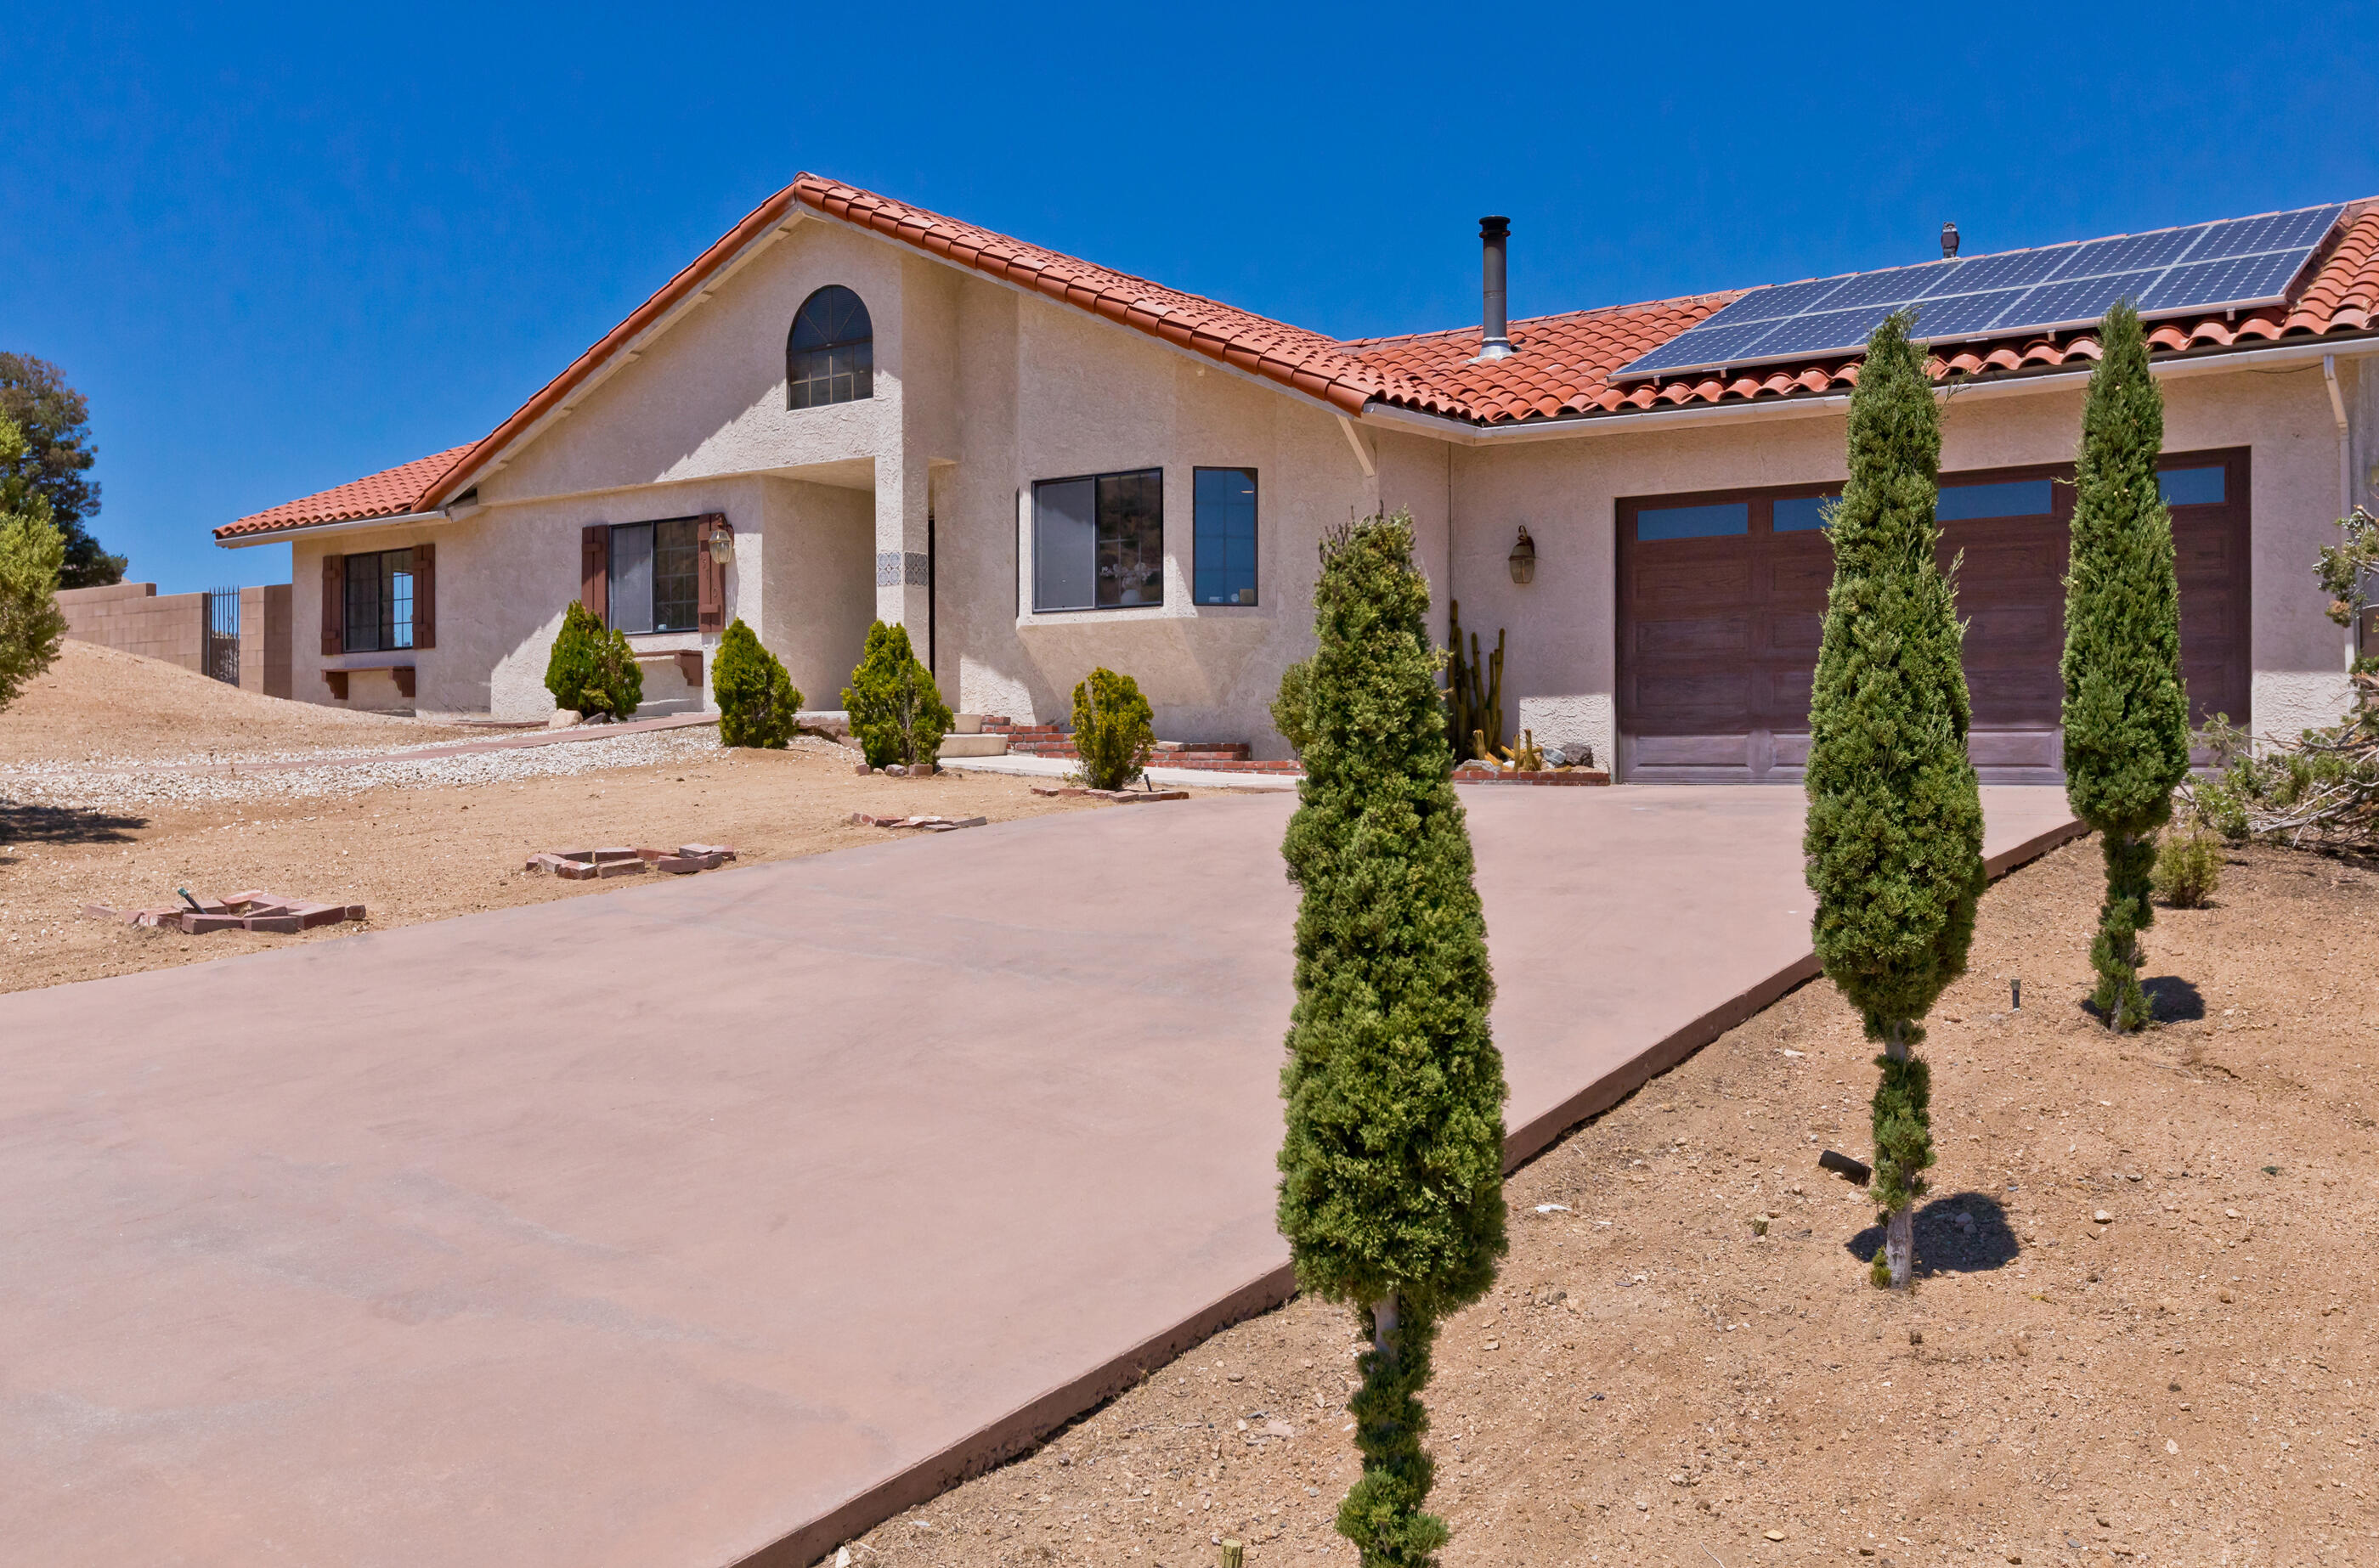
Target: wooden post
pixel 1234 1555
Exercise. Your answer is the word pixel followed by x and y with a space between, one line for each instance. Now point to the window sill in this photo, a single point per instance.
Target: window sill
pixel 396 658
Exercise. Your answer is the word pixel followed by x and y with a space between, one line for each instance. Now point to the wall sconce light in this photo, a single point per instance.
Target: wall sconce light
pixel 1523 558
pixel 722 544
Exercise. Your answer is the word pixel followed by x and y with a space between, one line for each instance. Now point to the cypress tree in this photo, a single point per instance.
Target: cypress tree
pixel 2126 711
pixel 1391 1171
pixel 1895 830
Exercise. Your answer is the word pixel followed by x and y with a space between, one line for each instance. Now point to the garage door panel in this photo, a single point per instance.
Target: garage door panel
pixel 1693 750
pixel 1796 635
pixel 1680 702
pixel 1665 583
pixel 1709 637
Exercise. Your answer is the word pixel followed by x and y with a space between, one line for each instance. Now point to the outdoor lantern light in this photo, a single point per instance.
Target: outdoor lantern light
pixel 1523 558
pixel 722 544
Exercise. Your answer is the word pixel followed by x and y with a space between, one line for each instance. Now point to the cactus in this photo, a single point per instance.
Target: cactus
pixel 1474 709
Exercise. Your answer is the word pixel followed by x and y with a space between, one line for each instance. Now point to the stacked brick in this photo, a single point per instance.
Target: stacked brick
pixel 252 911
pixel 588 865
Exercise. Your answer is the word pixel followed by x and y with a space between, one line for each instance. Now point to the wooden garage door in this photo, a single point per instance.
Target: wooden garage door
pixel 1722 595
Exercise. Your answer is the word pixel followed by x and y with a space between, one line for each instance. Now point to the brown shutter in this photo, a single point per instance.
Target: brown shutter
pixel 711 578
pixel 424 596
pixel 595 569
pixel 334 604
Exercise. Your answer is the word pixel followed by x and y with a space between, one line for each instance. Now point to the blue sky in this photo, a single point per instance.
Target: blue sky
pixel 279 249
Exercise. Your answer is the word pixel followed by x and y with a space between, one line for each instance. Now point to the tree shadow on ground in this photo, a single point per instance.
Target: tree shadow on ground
pixel 2171 1000
pixel 1944 1247
pixel 22 823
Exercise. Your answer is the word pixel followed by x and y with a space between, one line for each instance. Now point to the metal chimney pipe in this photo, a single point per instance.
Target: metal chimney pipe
pixel 1494 331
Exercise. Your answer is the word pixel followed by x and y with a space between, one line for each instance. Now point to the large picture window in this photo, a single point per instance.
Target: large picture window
pixel 1098 541
pixel 1223 528
pixel 379 601
pixel 654 568
pixel 830 356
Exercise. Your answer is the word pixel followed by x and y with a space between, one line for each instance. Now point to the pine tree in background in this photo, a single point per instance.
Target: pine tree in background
pixel 2126 711
pixel 1895 832
pixel 1392 1170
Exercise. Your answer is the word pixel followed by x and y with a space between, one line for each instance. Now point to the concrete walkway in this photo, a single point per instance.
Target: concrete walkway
pixel 709 1222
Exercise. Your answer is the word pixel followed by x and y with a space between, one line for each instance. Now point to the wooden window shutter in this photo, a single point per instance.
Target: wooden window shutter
pixel 595 569
pixel 424 596
pixel 334 604
pixel 710 577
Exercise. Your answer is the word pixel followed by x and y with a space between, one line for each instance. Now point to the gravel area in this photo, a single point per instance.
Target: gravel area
pixel 118 785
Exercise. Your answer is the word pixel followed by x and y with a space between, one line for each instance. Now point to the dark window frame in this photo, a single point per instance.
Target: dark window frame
pixel 1255 538
pixel 836 364
pixel 1097 540
pixel 692 577
pixel 373 612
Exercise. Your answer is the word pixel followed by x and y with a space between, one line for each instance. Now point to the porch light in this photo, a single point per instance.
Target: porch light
pixel 722 544
pixel 1523 558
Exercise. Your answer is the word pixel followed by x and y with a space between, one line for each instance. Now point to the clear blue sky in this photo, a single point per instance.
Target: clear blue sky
pixel 281 249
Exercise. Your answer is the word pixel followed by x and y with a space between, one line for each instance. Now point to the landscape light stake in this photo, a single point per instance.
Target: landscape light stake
pixel 1895 829
pixel 2126 715
pixel 1233 1554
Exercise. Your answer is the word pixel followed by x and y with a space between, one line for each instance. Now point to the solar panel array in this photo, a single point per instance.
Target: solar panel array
pixel 2237 262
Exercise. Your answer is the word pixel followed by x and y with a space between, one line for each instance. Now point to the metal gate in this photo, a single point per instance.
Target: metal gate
pixel 222 634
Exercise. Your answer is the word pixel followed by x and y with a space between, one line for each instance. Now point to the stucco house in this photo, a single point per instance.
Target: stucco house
pixel 849 409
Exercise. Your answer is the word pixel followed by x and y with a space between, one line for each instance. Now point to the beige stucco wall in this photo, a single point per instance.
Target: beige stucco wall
pixel 980 389
pixel 1561 663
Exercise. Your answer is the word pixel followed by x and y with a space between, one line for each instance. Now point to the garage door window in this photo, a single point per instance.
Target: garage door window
pixel 1694 522
pixel 2016 497
pixel 1796 515
pixel 2191 486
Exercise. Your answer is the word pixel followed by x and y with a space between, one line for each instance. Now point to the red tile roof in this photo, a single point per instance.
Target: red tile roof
pixel 1562 366
pixel 391 493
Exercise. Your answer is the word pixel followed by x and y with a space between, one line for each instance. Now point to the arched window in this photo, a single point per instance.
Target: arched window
pixel 831 356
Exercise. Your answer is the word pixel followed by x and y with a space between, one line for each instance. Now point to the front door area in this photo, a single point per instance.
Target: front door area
pixel 1722 594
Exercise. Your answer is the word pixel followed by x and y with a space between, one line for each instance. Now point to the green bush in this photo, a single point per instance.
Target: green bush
pixel 895 710
pixel 756 698
pixel 1289 713
pixel 32 554
pixel 2126 714
pixel 1895 826
pixel 1392 1162
pixel 1114 731
pixel 2188 869
pixel 592 669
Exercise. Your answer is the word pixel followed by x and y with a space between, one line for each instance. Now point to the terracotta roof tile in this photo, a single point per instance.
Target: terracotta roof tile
pixel 391 493
pixel 1561 368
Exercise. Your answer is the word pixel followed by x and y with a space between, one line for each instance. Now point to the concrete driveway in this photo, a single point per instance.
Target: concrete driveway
pixel 710 1222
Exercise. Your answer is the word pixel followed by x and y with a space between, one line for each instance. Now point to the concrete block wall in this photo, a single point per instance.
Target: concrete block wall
pixel 137 619
pixel 172 627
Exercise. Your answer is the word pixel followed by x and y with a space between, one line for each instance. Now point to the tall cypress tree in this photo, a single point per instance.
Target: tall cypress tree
pixel 1895 830
pixel 2126 711
pixel 1391 1171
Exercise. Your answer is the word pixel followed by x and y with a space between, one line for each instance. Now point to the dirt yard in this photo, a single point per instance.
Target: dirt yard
pixel 2144 1333
pixel 410 841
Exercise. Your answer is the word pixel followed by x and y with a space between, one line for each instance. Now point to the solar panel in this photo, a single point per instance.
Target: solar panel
pixel 2238 262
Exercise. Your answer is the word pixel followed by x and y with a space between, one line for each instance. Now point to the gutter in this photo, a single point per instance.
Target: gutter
pixel 346 525
pixel 2209 362
pixel 2345 484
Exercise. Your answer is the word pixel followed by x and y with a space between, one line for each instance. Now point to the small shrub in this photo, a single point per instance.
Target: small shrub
pixel 895 710
pixel 1290 714
pixel 1114 730
pixel 2188 870
pixel 756 698
pixel 592 669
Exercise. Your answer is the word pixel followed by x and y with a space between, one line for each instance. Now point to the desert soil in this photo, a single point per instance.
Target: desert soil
pixel 2141 1334
pixel 448 839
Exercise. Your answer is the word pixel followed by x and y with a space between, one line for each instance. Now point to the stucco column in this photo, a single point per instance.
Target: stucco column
pixel 902 500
